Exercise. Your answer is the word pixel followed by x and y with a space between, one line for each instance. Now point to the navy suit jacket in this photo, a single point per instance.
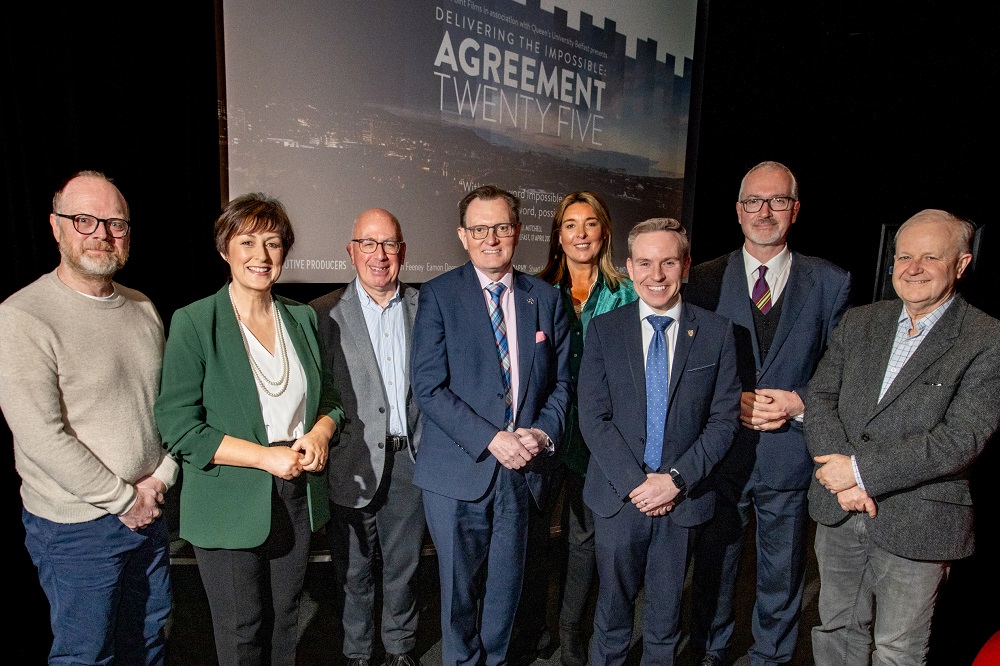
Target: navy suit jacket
pixel 458 383
pixel 702 408
pixel 813 301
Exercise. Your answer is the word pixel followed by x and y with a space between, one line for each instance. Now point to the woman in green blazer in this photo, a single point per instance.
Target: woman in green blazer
pixel 248 408
pixel 580 265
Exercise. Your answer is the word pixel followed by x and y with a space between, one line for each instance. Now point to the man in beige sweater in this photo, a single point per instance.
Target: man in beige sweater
pixel 79 372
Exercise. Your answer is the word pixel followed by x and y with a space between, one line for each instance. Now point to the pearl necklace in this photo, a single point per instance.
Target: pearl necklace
pixel 262 380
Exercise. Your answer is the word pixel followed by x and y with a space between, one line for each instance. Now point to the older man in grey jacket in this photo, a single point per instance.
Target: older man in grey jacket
pixel 899 408
pixel 375 508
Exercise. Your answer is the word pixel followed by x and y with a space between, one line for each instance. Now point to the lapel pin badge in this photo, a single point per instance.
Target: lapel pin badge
pixel 531 301
pixel 690 332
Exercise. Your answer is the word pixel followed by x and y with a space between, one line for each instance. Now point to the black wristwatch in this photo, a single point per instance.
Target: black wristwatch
pixel 678 480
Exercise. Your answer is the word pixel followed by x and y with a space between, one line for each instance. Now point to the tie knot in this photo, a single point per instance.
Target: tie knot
pixel 659 322
pixel 496 289
pixel 761 271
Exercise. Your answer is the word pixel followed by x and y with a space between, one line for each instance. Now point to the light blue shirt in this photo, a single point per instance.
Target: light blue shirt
pixel 904 346
pixel 388 337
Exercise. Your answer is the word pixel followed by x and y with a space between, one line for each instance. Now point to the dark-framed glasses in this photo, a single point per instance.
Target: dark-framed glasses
pixel 503 230
pixel 87 224
pixel 754 204
pixel 369 245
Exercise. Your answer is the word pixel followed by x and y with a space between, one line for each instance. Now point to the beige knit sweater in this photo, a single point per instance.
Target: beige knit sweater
pixel 78 378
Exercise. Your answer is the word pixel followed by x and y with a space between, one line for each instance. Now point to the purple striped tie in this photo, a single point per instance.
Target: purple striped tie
pixel 761 295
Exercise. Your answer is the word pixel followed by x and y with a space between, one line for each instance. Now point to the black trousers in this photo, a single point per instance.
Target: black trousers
pixel 254 594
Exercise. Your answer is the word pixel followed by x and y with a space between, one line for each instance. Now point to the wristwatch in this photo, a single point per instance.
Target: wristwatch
pixel 678 480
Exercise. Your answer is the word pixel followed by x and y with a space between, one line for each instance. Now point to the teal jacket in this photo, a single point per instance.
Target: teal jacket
pixel 207 391
pixel 573 452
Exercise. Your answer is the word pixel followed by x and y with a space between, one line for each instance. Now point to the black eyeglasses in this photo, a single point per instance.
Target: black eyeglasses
pixel 754 204
pixel 87 224
pixel 368 245
pixel 481 231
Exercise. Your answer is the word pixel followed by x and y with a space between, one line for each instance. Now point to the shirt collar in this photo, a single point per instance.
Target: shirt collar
pixel 366 299
pixel 484 281
pixel 926 322
pixel 776 264
pixel 674 312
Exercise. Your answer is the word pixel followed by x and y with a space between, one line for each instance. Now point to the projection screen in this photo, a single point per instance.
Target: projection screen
pixel 336 106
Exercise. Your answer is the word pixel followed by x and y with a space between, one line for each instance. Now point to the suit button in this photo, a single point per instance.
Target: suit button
pixel 381 410
pixel 381 445
pixel 865 438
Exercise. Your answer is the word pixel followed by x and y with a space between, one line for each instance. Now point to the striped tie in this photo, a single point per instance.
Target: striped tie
pixel 503 351
pixel 761 295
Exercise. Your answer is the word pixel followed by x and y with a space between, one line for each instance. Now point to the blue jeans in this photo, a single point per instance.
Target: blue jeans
pixel 856 575
pixel 108 588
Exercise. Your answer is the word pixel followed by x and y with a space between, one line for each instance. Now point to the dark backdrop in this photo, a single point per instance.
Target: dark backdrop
pixel 881 109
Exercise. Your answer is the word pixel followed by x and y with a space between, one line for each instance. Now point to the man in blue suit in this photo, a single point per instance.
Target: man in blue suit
pixel 784 306
pixel 490 374
pixel 659 405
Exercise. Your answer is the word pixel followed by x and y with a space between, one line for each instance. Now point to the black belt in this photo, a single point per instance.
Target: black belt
pixel 396 443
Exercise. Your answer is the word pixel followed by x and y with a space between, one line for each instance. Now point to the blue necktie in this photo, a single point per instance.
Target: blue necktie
pixel 503 351
pixel 657 385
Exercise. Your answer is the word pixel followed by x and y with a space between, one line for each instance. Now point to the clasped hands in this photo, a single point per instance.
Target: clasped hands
pixel 516 449
pixel 836 474
pixel 656 496
pixel 306 454
pixel 769 409
pixel 146 509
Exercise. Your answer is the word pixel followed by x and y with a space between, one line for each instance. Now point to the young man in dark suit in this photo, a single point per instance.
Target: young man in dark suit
pixel 659 404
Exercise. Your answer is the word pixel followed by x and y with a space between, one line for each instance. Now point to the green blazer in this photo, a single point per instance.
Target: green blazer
pixel 207 390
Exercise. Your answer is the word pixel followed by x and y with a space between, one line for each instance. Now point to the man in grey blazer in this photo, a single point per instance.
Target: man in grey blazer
pixel 901 405
pixel 365 328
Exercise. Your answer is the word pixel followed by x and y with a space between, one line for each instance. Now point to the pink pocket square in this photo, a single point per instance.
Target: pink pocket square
pixel 539 336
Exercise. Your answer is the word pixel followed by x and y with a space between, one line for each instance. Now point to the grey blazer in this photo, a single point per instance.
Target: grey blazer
pixel 915 446
pixel 357 459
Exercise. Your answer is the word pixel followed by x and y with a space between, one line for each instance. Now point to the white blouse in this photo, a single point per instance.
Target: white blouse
pixel 284 416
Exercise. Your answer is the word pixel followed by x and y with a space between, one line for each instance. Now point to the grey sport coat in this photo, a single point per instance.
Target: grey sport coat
pixel 357 461
pixel 914 447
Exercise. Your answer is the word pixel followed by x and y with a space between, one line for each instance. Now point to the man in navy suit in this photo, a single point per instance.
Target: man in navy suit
pixel 491 376
pixel 784 306
pixel 659 404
